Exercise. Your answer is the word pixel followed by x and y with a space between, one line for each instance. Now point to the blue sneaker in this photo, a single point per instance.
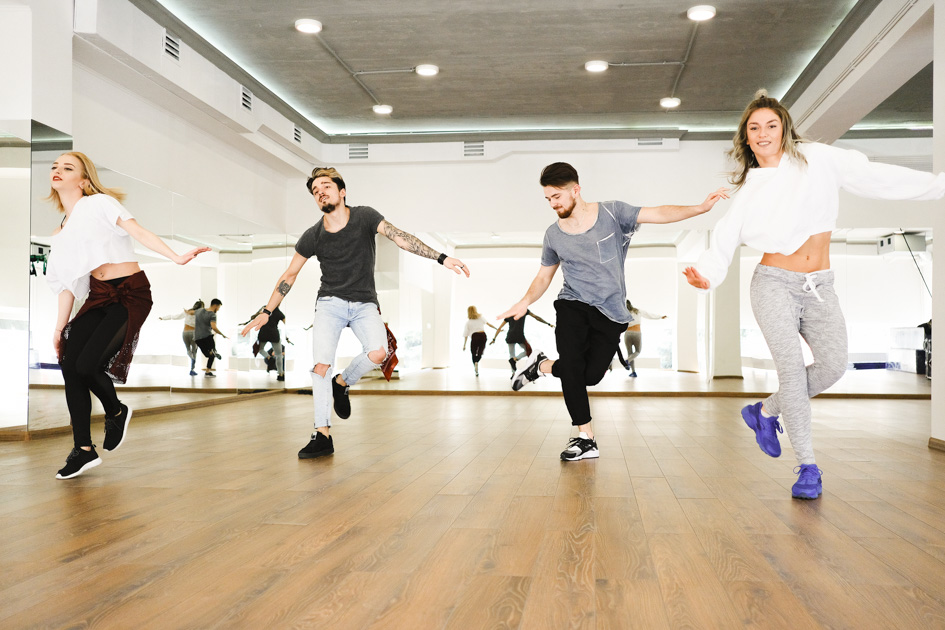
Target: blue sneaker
pixel 766 429
pixel 808 484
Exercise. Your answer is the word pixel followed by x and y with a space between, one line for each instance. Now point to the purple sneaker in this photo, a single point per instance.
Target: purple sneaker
pixel 766 429
pixel 808 484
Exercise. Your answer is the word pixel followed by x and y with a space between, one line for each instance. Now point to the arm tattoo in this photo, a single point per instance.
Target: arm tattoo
pixel 283 288
pixel 409 242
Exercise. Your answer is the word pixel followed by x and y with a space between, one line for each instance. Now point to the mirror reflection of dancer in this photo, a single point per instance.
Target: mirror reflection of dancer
pixel 343 241
pixel 187 315
pixel 633 338
pixel 589 241
pixel 93 259
pixel 476 328
pixel 269 333
pixel 787 207
pixel 516 337
pixel 205 327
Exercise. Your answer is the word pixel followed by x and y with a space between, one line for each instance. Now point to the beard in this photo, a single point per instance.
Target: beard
pixel 564 213
pixel 328 208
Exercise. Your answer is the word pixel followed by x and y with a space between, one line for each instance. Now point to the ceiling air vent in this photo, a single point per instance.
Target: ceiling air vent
pixel 358 151
pixel 246 98
pixel 649 142
pixel 297 134
pixel 474 149
pixel 171 46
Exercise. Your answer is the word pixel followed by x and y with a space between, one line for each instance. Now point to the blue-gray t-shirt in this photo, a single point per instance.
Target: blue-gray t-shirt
pixel 346 256
pixel 592 261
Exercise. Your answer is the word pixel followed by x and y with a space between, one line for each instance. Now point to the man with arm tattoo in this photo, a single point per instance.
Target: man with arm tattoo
pixel 343 241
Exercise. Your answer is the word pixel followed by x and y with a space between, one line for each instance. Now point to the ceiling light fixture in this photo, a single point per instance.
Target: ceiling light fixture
pixel 669 102
pixel 382 109
pixel 309 26
pixel 701 13
pixel 427 70
pixel 596 65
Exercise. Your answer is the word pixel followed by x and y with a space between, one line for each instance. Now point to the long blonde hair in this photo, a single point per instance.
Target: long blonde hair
pixel 93 187
pixel 472 313
pixel 742 154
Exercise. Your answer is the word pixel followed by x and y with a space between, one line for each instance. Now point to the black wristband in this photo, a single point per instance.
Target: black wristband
pixel 441 258
pixel 267 312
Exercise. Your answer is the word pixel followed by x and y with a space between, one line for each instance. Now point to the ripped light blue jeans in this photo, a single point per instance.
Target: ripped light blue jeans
pixel 332 316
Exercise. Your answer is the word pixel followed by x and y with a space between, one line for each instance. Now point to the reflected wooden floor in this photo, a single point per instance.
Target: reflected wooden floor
pixel 455 512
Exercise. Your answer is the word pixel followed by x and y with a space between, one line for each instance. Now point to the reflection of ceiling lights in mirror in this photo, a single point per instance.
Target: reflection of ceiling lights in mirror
pixel 669 102
pixel 701 13
pixel 596 65
pixel 382 109
pixel 309 26
pixel 427 70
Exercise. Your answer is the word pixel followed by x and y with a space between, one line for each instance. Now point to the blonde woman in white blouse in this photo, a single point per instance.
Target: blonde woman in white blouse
pixel 786 207
pixel 92 258
pixel 476 328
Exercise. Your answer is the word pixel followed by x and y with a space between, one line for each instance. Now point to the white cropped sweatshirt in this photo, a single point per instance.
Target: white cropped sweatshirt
pixel 778 209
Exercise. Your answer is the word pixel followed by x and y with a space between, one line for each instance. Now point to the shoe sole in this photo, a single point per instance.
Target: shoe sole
pixel 797 496
pixel 124 433
pixel 748 422
pixel 314 455
pixel 593 455
pixel 91 464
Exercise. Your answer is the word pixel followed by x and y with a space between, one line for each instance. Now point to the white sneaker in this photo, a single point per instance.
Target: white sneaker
pixel 528 373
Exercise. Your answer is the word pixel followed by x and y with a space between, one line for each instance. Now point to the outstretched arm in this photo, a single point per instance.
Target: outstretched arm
pixel 284 284
pixel 537 288
pixel 497 331
pixel 153 242
pixel 672 214
pixel 541 320
pixel 410 243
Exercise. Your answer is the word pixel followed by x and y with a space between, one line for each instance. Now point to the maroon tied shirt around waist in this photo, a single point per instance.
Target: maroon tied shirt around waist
pixel 135 295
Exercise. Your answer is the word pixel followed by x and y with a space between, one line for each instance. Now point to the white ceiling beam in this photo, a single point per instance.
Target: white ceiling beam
pixel 888 49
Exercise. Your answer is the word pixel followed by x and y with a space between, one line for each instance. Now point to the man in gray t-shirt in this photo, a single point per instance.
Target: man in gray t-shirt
pixel 205 326
pixel 589 241
pixel 343 242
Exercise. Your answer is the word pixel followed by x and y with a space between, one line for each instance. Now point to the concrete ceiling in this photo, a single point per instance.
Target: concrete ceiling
pixel 517 67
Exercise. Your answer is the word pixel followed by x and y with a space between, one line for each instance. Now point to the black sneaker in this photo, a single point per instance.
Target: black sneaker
pixel 78 462
pixel 580 447
pixel 342 403
pixel 530 372
pixel 218 355
pixel 116 428
pixel 319 446
pixel 281 377
pixel 513 364
pixel 209 375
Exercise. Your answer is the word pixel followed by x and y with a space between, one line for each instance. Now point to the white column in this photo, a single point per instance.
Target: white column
pixel 687 324
pixel 937 435
pixel 725 348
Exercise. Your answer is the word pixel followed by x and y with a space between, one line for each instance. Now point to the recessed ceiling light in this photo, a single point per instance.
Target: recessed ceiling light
pixel 596 66
pixel 382 109
pixel 307 25
pixel 669 102
pixel 427 70
pixel 701 13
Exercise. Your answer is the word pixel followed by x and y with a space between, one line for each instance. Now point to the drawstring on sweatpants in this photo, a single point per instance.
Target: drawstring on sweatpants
pixel 810 285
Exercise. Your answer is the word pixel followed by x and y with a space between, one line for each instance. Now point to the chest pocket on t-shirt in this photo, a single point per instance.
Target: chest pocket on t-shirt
pixel 607 248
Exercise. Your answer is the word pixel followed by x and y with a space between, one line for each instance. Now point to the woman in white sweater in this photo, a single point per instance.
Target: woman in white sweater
pixel 786 207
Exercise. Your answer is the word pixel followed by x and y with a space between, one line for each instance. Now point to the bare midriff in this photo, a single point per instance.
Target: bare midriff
pixel 110 271
pixel 813 255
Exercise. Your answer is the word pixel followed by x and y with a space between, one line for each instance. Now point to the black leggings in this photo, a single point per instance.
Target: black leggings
pixel 587 342
pixel 93 339
pixel 477 346
pixel 209 348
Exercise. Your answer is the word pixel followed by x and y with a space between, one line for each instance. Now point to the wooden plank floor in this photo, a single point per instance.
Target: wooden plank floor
pixel 455 512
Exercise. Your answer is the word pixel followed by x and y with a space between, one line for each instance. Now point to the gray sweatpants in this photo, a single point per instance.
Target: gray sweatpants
pixel 785 304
